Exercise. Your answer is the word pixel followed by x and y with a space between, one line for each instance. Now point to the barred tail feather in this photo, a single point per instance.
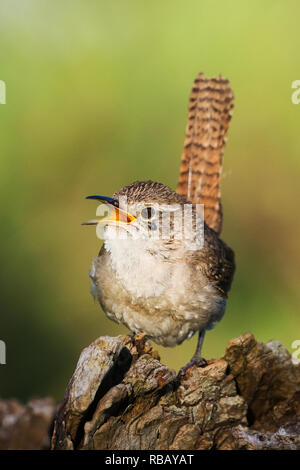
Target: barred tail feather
pixel 210 109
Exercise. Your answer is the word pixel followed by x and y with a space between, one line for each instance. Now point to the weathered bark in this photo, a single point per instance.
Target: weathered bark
pixel 122 397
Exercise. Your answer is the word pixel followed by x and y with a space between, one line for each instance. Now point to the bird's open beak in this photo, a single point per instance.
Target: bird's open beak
pixel 115 214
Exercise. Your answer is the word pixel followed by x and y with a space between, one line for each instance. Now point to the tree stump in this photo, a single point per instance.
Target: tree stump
pixel 122 398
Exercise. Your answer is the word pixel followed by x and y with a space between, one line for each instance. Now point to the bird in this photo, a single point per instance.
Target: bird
pixel 163 270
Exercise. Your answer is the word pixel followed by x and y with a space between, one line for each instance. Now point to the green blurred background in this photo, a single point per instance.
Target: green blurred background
pixel 97 97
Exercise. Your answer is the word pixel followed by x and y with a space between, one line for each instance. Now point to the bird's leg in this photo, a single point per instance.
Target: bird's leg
pixel 131 336
pixel 197 359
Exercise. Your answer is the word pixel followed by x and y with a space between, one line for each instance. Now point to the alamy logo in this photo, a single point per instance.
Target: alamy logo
pixel 2 352
pixel 296 94
pixel 2 92
pixel 156 221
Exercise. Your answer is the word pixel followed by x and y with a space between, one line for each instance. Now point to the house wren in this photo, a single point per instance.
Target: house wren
pixel 163 269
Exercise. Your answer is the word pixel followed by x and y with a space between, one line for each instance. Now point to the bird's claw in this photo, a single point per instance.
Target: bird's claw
pixel 195 361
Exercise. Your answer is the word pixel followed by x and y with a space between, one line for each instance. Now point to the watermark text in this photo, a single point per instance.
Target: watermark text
pixel 2 92
pixel 296 346
pixel 296 94
pixel 166 222
pixel 2 352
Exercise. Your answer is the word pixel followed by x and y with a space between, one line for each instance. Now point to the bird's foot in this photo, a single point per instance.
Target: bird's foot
pixel 198 361
pixel 137 336
pixel 138 340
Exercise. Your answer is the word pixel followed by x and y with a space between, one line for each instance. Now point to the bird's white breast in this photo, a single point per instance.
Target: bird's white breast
pixel 149 292
pixel 137 269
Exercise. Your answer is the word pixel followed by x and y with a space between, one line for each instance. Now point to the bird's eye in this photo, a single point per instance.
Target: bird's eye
pixel 147 213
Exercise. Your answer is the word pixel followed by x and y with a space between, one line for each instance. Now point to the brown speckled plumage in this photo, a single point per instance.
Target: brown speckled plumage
pixel 150 191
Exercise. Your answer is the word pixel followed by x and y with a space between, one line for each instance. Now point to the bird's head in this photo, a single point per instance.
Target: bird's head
pixel 147 210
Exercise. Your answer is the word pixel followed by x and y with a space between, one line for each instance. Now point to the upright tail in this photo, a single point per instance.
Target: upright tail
pixel 210 110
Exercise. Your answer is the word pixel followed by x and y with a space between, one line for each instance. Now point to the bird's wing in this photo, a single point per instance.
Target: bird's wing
pixel 210 108
pixel 216 260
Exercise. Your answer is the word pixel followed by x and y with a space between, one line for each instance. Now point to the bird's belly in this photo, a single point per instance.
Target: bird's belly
pixel 168 315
